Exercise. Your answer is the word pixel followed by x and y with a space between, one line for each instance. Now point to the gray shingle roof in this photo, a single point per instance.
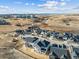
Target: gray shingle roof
pixel 76 51
pixel 59 52
pixel 30 39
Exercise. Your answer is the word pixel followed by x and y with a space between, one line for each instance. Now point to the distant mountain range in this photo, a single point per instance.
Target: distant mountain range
pixel 41 14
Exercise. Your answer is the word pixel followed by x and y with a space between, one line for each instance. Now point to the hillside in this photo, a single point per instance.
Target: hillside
pixel 63 23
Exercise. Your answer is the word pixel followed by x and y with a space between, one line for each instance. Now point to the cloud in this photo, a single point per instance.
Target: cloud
pixel 48 4
pixel 52 5
pixel 32 3
pixel 76 7
pixel 63 3
pixel 62 0
pixel 3 7
pixel 56 0
pixel 68 0
pixel 65 0
pixel 73 11
pixel 26 3
pixel 6 9
pixel 18 2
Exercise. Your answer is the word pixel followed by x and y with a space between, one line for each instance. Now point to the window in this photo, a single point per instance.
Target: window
pixel 55 45
pixel 60 46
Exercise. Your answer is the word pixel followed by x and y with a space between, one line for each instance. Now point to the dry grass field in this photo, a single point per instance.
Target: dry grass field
pixel 14 22
pixel 62 23
pixel 7 47
pixel 7 28
pixel 21 21
pixel 56 22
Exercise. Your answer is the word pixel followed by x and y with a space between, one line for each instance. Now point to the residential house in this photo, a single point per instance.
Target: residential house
pixel 58 52
pixel 39 31
pixel 30 41
pixel 29 31
pixel 18 31
pixel 76 38
pixel 42 32
pixel 42 46
pixel 67 36
pixel 55 34
pixel 75 53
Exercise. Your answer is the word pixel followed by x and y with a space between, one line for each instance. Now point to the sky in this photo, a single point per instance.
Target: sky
pixel 38 6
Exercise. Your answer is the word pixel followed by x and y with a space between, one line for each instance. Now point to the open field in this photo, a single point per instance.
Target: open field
pixel 20 21
pixel 57 23
pixel 62 23
pixel 7 28
pixel 24 23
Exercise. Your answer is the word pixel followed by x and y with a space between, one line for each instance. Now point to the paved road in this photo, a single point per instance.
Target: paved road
pixel 68 43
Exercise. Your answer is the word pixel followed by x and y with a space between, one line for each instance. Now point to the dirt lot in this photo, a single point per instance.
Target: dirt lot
pixel 8 50
pixel 32 53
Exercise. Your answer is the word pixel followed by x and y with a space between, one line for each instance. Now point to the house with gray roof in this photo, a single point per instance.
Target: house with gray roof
pixel 75 53
pixel 40 46
pixel 58 52
pixel 30 41
pixel 76 38
pixel 67 35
